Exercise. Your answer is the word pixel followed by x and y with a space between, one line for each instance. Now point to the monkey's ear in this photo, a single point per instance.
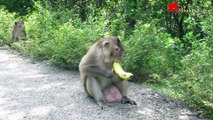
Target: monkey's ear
pixel 16 23
pixel 105 43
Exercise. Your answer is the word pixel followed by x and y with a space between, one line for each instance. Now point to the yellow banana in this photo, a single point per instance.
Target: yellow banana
pixel 119 70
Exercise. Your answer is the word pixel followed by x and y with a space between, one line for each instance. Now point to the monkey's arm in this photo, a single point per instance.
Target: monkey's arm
pixel 97 71
pixel 13 35
pixel 25 34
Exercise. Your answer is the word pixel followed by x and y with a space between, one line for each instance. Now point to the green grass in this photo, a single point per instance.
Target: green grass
pixel 165 88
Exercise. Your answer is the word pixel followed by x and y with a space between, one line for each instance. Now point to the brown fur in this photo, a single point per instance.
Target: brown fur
pixel 96 71
pixel 18 32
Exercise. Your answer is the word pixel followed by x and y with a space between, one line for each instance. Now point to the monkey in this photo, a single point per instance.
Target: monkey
pixel 96 75
pixel 18 32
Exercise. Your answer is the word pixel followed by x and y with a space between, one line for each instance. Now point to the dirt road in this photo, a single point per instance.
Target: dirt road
pixel 38 91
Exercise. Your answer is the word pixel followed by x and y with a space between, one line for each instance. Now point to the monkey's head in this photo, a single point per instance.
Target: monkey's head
pixel 20 24
pixel 112 48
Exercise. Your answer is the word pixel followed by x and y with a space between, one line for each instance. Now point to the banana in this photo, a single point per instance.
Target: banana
pixel 119 70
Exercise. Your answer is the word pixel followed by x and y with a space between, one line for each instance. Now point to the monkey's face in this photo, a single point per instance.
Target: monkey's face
pixel 20 25
pixel 112 48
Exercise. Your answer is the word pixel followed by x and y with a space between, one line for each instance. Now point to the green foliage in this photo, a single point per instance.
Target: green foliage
pixel 195 80
pixel 71 43
pixel 22 7
pixel 63 41
pixel 193 83
pixel 6 25
pixel 174 50
pixel 149 52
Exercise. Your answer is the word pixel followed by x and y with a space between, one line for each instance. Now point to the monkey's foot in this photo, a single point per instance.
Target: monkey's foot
pixel 102 104
pixel 127 100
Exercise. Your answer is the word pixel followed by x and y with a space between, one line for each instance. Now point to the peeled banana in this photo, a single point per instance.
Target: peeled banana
pixel 119 70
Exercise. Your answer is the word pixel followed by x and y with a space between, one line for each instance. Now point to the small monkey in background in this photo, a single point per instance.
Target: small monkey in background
pixel 97 77
pixel 18 32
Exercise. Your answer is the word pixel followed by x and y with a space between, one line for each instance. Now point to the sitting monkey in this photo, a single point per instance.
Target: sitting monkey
pixel 18 32
pixel 97 77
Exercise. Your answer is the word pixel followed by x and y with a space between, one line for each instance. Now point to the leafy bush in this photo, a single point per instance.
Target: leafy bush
pixel 60 33
pixel 40 26
pixel 6 24
pixel 70 44
pixel 63 41
pixel 148 55
pixel 195 80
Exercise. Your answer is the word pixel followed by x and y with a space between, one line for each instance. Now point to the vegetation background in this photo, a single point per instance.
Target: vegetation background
pixel 170 52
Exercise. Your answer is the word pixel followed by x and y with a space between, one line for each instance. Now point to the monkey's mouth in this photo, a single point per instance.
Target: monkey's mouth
pixel 116 56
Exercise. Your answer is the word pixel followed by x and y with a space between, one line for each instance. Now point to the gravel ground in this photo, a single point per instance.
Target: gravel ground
pixel 38 91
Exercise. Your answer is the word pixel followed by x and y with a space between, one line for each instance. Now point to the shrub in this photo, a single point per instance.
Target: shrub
pixel 195 80
pixel 6 24
pixel 63 41
pixel 148 54
pixel 70 44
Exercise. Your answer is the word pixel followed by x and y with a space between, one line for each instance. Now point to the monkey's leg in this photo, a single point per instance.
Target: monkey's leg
pixel 23 38
pixel 122 86
pixel 94 89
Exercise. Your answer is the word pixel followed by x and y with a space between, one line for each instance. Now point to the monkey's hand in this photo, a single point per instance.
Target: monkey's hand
pixel 119 71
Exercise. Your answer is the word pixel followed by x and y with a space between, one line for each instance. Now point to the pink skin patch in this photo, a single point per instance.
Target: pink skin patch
pixel 112 94
pixel 117 53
